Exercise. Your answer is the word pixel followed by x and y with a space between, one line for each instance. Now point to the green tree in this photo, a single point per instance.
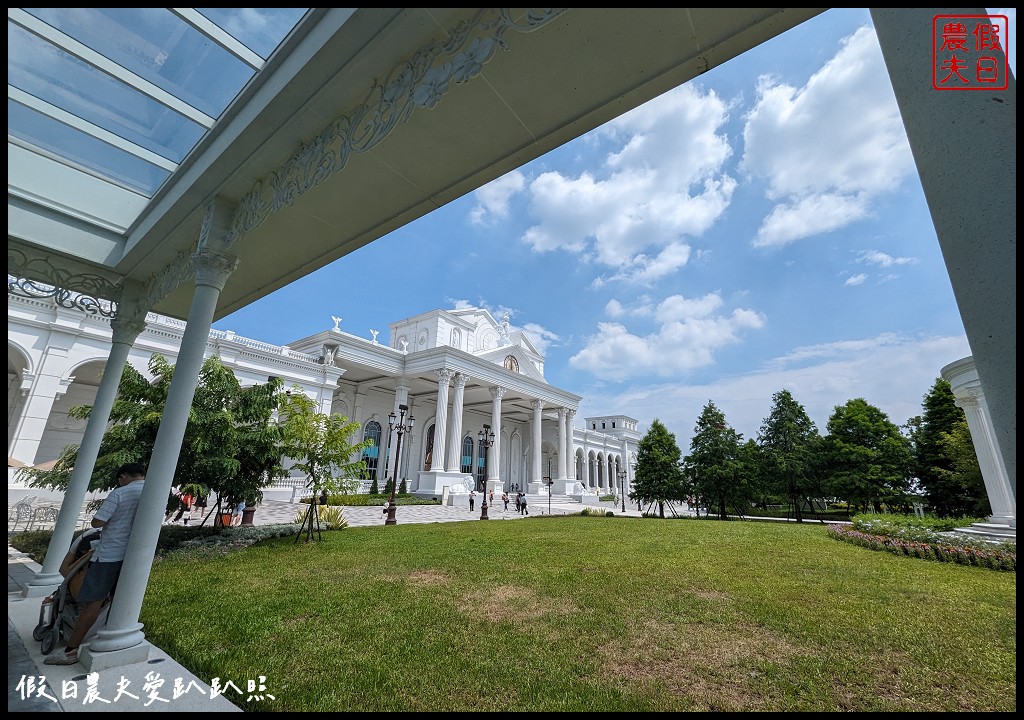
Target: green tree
pixel 659 477
pixel 321 446
pixel 788 440
pixel 944 486
pixel 963 486
pixel 715 466
pixel 867 459
pixel 229 447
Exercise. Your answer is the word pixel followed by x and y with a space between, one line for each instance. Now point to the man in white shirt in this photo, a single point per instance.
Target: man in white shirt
pixel 116 516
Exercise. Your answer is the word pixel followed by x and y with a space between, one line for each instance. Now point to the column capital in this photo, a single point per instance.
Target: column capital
pixel 460 380
pixel 213 267
pixel 444 375
pixel 967 401
pixel 497 393
pixel 537 404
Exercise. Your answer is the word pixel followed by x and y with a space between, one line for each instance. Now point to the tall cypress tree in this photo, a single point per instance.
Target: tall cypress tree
pixel 933 463
pixel 716 466
pixel 659 477
pixel 788 439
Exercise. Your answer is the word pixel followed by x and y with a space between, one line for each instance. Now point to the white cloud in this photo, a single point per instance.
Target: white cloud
pixel 811 215
pixel 687 338
pixel 493 198
pixel 829 148
pixel 614 309
pixel 874 257
pixel 665 183
pixel 857 279
pixel 541 337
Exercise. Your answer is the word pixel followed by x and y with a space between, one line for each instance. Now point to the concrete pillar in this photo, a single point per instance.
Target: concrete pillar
pixel 536 470
pixel 965 148
pixel 130 321
pixel 570 446
pixel 494 452
pixel 562 477
pixel 963 380
pixel 454 460
pixel 122 641
pixel 437 457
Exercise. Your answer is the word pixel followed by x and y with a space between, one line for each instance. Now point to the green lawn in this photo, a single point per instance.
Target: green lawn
pixel 591 614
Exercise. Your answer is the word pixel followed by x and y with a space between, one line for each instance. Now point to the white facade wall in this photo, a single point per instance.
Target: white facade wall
pixel 56 357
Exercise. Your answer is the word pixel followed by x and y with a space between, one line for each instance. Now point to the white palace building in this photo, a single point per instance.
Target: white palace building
pixel 457 371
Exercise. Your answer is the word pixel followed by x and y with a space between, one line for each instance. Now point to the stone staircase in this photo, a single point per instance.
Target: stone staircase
pixel 988 532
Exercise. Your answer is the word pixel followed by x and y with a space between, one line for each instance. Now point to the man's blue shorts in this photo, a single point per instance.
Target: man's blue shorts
pixel 100 581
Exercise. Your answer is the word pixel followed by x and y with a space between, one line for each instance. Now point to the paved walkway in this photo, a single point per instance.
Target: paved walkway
pixel 35 687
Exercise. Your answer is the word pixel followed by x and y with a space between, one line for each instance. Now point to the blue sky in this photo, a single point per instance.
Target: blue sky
pixel 759 228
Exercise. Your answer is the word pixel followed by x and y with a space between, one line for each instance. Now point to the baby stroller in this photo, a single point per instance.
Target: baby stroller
pixel 59 610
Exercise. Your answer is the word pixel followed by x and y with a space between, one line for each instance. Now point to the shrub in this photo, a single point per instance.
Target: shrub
pixel 1001 556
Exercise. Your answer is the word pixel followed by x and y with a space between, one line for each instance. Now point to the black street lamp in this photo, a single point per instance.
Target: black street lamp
pixel 397 425
pixel 485 438
pixel 622 489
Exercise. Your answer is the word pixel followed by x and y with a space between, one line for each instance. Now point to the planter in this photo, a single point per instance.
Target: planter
pixel 247 515
pixel 223 519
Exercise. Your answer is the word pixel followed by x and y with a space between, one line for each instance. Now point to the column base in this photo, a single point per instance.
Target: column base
pixel 433 482
pixel 42 585
pixel 94 661
pixel 118 639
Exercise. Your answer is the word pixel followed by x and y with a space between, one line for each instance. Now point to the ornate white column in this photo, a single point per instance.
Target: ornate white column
pixel 454 461
pixel 963 380
pixel 536 471
pixel 437 458
pixel 121 641
pixel 570 446
pixel 562 477
pixel 129 323
pixel 494 452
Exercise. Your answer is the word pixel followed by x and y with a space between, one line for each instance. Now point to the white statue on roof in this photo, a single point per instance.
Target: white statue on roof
pixel 337 322
pixel 505 339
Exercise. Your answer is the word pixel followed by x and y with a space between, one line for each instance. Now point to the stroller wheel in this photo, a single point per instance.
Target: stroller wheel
pixel 38 631
pixel 48 640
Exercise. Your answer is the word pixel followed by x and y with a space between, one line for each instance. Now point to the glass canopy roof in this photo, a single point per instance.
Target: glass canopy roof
pixel 124 95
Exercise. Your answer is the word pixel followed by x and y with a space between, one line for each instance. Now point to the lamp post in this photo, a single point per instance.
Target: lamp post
pixel 399 425
pixel 485 438
pixel 622 489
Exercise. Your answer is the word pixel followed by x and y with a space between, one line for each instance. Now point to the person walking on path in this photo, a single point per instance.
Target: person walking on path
pixel 504 499
pixel 115 516
pixel 472 499
pixel 522 505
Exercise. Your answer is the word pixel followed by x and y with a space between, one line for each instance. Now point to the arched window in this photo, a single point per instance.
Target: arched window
pixel 511 363
pixel 428 457
pixel 466 464
pixel 456 338
pixel 371 432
